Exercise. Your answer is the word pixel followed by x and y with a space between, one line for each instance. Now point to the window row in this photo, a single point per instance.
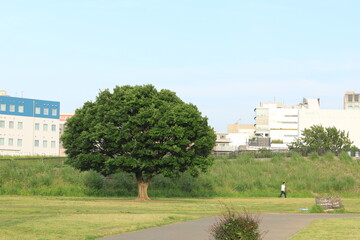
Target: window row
pixel 355 104
pixel 46 111
pixel 45 127
pixel 19 125
pixel 21 109
pixel 354 98
pixel 11 142
pixel 19 143
pixel 11 125
pixel 45 143
pixel 12 108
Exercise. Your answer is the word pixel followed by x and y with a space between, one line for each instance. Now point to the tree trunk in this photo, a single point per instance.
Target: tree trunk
pixel 142 188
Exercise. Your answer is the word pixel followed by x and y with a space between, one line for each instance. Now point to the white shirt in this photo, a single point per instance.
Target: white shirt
pixel 283 188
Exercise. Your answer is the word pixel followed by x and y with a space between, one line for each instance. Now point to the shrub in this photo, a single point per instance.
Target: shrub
pixel 93 180
pixel 122 181
pixel 316 209
pixel 234 225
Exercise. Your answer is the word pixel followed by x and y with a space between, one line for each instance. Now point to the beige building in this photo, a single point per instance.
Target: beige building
pixel 63 118
pixel 223 144
pixel 351 100
pixel 242 128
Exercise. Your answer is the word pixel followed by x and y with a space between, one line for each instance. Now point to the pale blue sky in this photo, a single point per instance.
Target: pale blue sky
pixel 223 56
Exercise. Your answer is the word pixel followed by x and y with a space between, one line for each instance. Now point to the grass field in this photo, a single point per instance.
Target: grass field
pixel 90 218
pixel 84 205
pixel 331 229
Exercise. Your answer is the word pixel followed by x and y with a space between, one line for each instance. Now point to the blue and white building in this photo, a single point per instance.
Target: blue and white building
pixel 28 127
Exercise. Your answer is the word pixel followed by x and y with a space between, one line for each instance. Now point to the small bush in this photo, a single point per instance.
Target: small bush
pixel 121 181
pixel 234 225
pixel 316 209
pixel 93 180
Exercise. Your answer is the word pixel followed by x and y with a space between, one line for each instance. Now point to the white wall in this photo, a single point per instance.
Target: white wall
pixel 28 135
pixel 347 120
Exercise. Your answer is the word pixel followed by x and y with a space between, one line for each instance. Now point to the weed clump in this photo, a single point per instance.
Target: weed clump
pixel 234 225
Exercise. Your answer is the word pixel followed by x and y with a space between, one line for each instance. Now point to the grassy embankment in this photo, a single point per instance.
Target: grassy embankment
pixel 234 176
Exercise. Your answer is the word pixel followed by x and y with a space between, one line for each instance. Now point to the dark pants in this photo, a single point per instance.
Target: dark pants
pixel 282 192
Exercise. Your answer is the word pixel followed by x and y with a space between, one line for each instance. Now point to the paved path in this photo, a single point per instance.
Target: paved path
pixel 278 226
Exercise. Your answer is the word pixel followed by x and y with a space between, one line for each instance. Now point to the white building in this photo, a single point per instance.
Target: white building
pixel 280 122
pixel 28 126
pixel 344 120
pixel 283 124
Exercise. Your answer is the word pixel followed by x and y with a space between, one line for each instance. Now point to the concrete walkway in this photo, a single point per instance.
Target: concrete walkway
pixel 277 226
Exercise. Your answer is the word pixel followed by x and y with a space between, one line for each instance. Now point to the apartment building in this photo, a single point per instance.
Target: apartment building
pixel 280 122
pixel 283 124
pixel 351 101
pixel 28 127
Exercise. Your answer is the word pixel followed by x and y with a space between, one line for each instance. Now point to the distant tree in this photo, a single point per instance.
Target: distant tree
pixel 139 130
pixel 321 140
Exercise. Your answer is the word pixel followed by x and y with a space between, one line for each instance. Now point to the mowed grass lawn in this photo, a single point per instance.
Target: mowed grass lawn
pixel 91 218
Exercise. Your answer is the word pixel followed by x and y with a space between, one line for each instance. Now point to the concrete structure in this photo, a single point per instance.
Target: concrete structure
pixel 223 144
pixel 279 122
pixel 283 124
pixel 63 118
pixel 344 120
pixel 248 129
pixel 351 101
pixel 28 126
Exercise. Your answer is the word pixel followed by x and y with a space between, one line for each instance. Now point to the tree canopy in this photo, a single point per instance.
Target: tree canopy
pixel 321 140
pixel 139 130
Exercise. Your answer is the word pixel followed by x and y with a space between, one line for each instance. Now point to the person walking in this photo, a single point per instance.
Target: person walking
pixel 283 190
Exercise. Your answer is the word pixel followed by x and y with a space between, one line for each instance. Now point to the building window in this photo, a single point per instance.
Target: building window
pixel 11 142
pixel 45 143
pixel 46 111
pixel 54 112
pixel 11 124
pixel 20 125
pixel 53 144
pixel 2 141
pixel 37 126
pixel 350 98
pixel 2 124
pixel 19 142
pixel 36 143
pixel 3 107
pixel 53 127
pixel 356 98
pixel 21 109
pixel 45 127
pixel 12 108
pixel 37 110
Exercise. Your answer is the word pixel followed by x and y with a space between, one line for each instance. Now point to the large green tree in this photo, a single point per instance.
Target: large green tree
pixel 319 139
pixel 139 130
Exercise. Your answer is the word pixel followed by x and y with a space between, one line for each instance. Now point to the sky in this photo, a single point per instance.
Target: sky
pixel 223 56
